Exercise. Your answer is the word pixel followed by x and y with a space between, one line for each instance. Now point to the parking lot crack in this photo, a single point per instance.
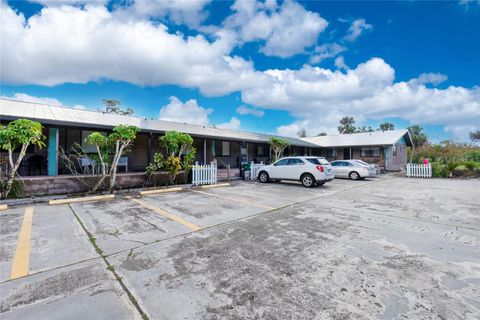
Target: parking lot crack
pixel 110 267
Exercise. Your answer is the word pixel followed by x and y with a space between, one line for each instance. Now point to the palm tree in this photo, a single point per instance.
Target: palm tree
pixel 387 126
pixel 347 125
pixel 418 138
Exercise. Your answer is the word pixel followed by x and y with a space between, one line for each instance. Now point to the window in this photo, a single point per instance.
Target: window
pixel 331 153
pixel 281 162
pixel 370 152
pixel 260 150
pixel 295 162
pixel 225 149
pixel 394 149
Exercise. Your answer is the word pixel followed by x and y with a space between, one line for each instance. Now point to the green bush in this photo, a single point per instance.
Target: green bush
pixel 439 170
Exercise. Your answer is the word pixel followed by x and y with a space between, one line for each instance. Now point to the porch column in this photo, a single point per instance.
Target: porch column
pixel 204 151
pixel 149 148
pixel 52 151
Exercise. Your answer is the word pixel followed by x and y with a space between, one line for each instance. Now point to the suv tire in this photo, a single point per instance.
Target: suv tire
pixel 263 177
pixel 308 181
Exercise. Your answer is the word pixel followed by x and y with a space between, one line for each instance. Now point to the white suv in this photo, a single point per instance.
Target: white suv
pixel 308 170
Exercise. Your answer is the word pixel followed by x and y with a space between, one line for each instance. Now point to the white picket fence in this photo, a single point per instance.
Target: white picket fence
pixel 254 167
pixel 415 170
pixel 204 174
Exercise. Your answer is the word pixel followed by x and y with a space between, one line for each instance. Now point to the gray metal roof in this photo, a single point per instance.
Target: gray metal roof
pixel 375 138
pixel 54 115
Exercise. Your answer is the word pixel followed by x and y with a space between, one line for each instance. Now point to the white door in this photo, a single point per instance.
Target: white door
pixel 295 168
pixel 279 169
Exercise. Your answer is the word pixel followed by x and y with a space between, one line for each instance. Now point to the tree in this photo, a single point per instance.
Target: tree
pixel 302 133
pixel 365 129
pixel 175 143
pixel 122 137
pixel 386 126
pixel 321 134
pixel 347 125
pixel 20 133
pixel 418 138
pixel 113 106
pixel 475 136
pixel 112 146
pixel 278 145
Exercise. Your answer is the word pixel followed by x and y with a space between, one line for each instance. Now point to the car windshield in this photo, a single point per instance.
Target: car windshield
pixel 317 161
pixel 362 162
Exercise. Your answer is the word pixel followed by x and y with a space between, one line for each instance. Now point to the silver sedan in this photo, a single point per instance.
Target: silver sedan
pixel 349 169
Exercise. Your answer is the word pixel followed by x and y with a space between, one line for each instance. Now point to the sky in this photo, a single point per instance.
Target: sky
pixel 270 66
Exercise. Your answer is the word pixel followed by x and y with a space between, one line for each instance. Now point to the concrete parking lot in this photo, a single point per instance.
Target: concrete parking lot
pixel 386 248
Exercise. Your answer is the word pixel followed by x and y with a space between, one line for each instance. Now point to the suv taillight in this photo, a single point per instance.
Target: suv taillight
pixel 320 168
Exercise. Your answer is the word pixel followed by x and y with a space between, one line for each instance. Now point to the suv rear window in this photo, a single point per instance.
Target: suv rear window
pixel 317 161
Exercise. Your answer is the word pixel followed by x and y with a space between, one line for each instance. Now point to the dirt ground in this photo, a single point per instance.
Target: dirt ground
pixel 384 248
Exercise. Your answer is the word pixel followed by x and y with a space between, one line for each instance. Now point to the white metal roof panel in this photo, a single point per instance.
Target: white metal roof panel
pixel 12 109
pixel 376 138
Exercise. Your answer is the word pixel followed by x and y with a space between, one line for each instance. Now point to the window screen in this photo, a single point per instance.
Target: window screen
pixel 370 152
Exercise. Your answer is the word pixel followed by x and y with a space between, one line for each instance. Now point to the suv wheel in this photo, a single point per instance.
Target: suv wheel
pixel 308 180
pixel 263 177
pixel 354 175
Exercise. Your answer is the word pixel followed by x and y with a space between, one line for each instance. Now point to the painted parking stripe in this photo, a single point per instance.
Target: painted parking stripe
pixel 166 214
pixel 235 199
pixel 22 254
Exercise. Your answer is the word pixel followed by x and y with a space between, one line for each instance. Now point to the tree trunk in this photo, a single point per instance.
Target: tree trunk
pixel 413 151
pixel 13 169
pixel 113 171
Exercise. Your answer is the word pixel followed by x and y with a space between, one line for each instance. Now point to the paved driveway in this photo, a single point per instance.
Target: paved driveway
pixel 390 248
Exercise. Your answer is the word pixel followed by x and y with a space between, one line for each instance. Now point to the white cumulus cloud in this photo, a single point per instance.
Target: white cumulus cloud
pixel 233 124
pixel 80 44
pixel 189 112
pixel 316 95
pixel 19 96
pixel 244 110
pixel 286 29
pixel 357 28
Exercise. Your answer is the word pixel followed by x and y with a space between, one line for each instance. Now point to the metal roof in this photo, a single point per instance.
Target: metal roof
pixel 375 138
pixel 55 115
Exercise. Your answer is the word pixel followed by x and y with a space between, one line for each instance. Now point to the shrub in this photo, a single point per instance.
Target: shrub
pixel 439 170
pixel 461 171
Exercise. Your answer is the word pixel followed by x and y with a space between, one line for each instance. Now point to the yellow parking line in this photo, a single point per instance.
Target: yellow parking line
pixel 235 199
pixel 166 214
pixel 22 254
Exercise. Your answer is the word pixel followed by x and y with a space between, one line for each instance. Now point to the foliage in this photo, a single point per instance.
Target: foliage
pixel 175 143
pixel 113 106
pixel 364 129
pixel 278 145
pixel 321 134
pixel 386 126
pixel 475 136
pixel 20 133
pixel 418 137
pixel 16 190
pixel 347 125
pixel 189 159
pixel 111 148
pixel 451 159
pixel 173 165
pixel 156 165
pixel 302 133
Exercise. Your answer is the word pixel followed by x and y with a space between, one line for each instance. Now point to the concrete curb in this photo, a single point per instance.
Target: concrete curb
pixel 215 185
pixel 3 207
pixel 162 190
pixel 83 199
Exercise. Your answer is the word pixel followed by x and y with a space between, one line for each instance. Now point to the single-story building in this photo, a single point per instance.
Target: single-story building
pixel 64 127
pixel 388 149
